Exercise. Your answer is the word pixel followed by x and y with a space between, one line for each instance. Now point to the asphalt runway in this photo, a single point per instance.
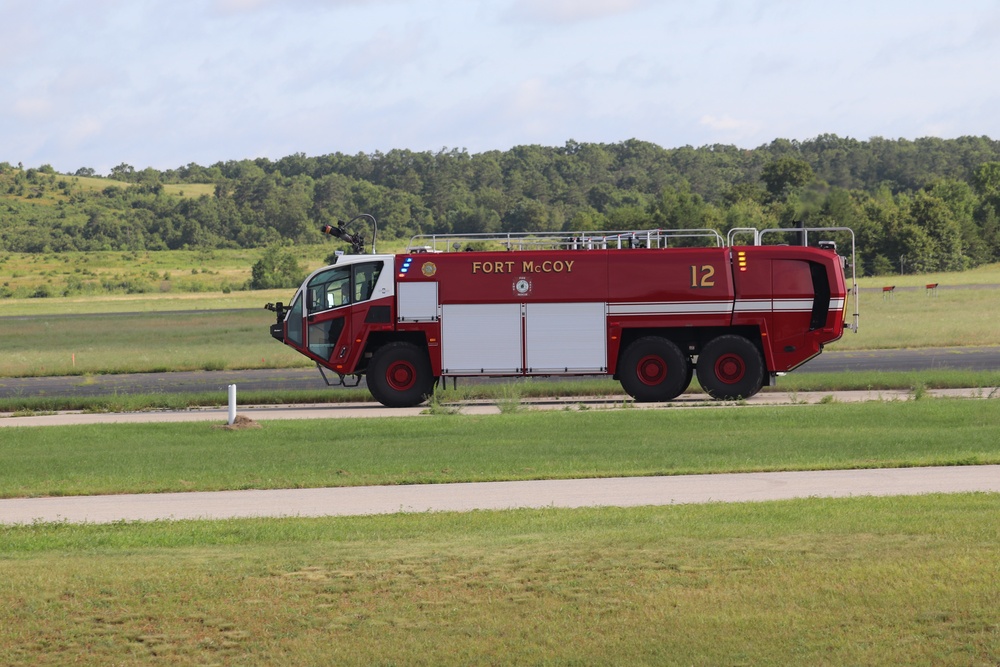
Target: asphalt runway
pixel 970 358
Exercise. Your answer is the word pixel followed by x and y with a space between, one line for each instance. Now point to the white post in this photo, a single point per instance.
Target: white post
pixel 232 404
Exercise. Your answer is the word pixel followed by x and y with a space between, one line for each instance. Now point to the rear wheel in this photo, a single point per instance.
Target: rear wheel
pixel 654 369
pixel 730 367
pixel 399 375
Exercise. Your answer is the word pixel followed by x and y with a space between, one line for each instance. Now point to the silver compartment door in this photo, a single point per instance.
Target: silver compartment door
pixel 479 339
pixel 566 337
pixel 418 302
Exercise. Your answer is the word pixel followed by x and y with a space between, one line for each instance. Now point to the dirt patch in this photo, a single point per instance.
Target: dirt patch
pixel 239 424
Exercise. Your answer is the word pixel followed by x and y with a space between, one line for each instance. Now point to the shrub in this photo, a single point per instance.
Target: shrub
pixel 278 268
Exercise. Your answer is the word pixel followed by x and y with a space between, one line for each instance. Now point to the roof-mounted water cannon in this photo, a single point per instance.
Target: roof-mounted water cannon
pixel 356 240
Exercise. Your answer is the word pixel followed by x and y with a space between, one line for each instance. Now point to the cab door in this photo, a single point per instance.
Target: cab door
pixel 328 300
pixel 333 297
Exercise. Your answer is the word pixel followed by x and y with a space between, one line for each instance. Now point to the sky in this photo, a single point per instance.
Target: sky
pixel 166 83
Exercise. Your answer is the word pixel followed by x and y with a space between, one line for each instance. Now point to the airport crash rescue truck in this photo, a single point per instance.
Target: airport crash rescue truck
pixel 618 303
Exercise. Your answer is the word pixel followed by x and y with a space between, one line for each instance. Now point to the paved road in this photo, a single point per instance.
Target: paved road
pixel 979 358
pixel 616 492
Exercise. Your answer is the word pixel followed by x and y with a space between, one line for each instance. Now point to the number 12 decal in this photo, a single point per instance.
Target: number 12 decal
pixel 702 276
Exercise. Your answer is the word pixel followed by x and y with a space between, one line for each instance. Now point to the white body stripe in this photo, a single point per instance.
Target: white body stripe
pixel 753 306
pixel 719 307
pixel 793 305
pixel 672 308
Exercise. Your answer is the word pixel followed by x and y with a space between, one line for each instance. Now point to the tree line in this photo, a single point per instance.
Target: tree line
pixel 924 205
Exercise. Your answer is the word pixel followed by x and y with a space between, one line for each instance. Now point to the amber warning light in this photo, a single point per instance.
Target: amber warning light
pixel 741 260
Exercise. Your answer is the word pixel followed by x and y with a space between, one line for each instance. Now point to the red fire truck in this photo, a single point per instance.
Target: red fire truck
pixel 627 304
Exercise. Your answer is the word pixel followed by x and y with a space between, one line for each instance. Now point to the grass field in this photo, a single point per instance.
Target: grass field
pixel 97 184
pixel 863 581
pixel 965 317
pixel 93 276
pixel 145 458
pixel 151 342
pixel 988 274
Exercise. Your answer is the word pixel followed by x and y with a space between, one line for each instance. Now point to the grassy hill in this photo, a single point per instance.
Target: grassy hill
pixel 66 185
pixel 97 184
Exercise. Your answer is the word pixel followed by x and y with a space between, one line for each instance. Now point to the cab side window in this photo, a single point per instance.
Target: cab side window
pixel 344 285
pixel 365 277
pixel 330 289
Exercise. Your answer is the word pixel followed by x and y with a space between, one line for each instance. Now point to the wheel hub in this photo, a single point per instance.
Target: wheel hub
pixel 730 368
pixel 401 375
pixel 651 370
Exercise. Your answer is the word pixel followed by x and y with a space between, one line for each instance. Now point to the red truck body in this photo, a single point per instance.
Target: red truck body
pixel 649 316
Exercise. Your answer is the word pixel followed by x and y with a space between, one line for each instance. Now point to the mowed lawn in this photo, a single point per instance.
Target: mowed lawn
pixel 142 342
pixel 862 581
pixel 144 458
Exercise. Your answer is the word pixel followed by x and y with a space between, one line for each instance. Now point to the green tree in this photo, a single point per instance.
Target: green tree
pixel 277 268
pixel 467 220
pixel 786 174
pixel 961 200
pixel 528 215
pixel 123 172
pixel 679 208
pixel 933 216
pixel 986 180
pixel 914 248
pixel 584 220
pixel 287 208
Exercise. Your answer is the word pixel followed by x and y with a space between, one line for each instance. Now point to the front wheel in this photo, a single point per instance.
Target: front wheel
pixel 399 375
pixel 654 369
pixel 730 368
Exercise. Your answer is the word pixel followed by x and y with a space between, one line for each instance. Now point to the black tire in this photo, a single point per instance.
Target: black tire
pixel 399 375
pixel 654 369
pixel 730 368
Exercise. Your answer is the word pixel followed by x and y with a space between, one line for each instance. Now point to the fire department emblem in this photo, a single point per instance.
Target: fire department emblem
pixel 429 269
pixel 522 286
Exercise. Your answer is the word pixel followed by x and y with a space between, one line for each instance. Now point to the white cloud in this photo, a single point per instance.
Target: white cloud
pixel 83 129
pixel 32 108
pixel 570 11
pixel 531 97
pixel 385 52
pixel 726 123
pixel 240 6
pixel 251 6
